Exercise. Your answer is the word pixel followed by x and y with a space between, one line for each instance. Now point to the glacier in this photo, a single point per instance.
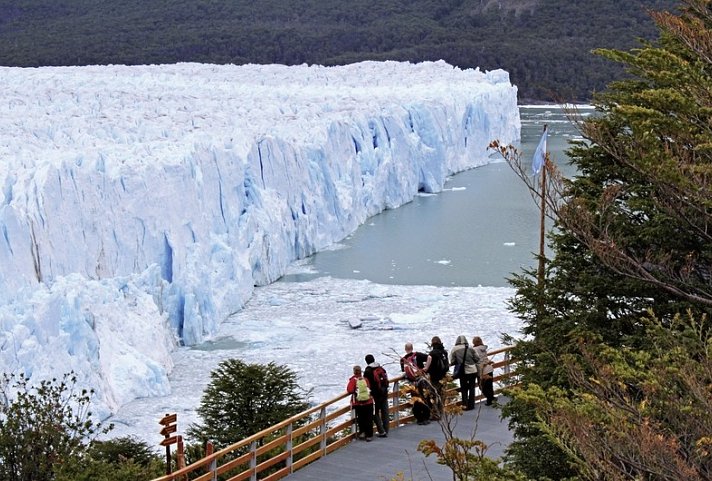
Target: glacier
pixel 141 205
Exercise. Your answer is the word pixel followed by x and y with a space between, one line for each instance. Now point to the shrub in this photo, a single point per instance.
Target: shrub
pixel 43 426
pixel 117 459
pixel 242 399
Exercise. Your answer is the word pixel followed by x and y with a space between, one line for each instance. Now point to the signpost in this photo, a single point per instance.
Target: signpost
pixel 169 427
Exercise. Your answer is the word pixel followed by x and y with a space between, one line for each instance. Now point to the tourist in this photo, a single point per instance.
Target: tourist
pixel 412 363
pixel 485 370
pixel 437 367
pixel 378 381
pixel 362 403
pixel 464 355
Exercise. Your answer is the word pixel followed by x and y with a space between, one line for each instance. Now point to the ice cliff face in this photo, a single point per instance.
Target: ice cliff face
pixel 140 205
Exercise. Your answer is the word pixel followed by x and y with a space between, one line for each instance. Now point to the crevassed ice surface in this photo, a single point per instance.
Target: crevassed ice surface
pixel 139 206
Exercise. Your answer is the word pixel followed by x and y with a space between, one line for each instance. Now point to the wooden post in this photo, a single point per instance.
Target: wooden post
pixel 168 459
pixel 354 426
pixel 289 447
pixel 322 430
pixel 542 218
pixel 213 466
pixel 253 461
pixel 180 456
pixel 180 453
pixel 396 404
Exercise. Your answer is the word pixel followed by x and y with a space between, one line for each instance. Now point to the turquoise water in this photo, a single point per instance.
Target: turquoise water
pixel 480 229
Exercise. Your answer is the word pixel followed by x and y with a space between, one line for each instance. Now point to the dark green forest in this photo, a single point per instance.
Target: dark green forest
pixel 544 44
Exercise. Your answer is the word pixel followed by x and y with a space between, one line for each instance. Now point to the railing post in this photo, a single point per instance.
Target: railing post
pixel 354 427
pixel 180 456
pixel 322 430
pixel 213 466
pixel 507 360
pixel 253 461
pixel 289 447
pixel 396 403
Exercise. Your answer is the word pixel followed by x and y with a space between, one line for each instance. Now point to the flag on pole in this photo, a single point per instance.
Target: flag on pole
pixel 539 154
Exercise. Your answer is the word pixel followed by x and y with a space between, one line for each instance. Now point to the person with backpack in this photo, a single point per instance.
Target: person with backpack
pixel 437 367
pixel 378 380
pixel 465 357
pixel 412 363
pixel 361 403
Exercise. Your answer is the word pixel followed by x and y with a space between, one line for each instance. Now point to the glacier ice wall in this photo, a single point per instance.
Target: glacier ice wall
pixel 139 206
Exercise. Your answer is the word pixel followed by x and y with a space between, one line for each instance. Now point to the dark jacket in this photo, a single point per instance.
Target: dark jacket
pixel 436 371
pixel 373 383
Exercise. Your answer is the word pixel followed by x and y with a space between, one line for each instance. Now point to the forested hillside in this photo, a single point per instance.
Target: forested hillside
pixel 544 44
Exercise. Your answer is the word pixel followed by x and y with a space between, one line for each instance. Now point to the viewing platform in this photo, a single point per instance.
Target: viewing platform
pixel 383 458
pixel 321 443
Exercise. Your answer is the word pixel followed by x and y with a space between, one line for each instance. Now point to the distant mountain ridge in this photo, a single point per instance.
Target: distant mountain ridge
pixel 544 44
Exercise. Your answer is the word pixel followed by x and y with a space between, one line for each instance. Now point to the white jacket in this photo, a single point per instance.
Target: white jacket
pixel 470 359
pixel 484 366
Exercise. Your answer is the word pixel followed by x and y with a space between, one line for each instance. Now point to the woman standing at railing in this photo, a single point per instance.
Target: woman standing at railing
pixel 464 355
pixel 484 370
pixel 362 403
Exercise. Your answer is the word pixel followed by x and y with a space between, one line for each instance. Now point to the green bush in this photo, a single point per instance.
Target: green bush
pixel 125 458
pixel 96 470
pixel 43 427
pixel 122 450
pixel 242 399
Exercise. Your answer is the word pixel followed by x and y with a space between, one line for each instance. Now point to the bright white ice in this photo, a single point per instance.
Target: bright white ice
pixel 139 206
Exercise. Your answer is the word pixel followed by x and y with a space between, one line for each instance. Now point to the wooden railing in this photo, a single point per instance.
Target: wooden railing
pixel 279 450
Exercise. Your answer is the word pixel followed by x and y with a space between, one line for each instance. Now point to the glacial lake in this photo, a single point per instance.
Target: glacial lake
pixel 480 229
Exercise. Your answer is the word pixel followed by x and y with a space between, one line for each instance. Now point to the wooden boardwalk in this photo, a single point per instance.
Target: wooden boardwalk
pixel 383 458
pixel 319 443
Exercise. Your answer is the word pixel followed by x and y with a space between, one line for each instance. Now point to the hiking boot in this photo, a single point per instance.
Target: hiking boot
pixel 382 435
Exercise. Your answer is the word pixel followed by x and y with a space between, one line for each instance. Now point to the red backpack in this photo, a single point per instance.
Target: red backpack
pixel 410 366
pixel 381 378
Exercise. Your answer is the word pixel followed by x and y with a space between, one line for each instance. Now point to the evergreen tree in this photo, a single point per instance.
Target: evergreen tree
pixel 242 399
pixel 631 237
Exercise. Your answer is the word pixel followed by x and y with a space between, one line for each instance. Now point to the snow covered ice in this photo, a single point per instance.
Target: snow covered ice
pixel 139 206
